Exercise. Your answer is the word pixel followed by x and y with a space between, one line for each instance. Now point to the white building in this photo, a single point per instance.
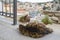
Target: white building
pixel 56 5
pixel 0 6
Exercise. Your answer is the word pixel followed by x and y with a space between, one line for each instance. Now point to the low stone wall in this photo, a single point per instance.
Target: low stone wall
pixel 56 14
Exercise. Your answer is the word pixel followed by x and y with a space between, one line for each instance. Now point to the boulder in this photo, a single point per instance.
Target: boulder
pixel 55 19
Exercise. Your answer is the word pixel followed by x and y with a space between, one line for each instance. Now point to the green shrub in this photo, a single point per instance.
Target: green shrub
pixel 46 20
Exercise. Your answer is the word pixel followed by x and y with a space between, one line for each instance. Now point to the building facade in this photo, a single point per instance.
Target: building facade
pixel 56 5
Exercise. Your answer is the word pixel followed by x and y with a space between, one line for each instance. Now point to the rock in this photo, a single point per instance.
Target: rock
pixel 54 18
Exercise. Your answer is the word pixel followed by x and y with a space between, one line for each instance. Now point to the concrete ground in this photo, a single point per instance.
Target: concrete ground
pixel 10 32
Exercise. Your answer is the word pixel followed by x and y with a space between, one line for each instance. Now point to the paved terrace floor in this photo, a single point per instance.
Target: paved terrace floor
pixel 10 32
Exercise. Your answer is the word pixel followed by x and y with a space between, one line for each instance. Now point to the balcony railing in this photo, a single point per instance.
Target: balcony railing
pixel 9 10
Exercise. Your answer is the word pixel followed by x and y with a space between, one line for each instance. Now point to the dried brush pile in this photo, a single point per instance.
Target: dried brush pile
pixel 35 30
pixel 24 19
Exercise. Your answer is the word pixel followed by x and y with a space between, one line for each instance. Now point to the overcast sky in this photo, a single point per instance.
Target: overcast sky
pixel 35 0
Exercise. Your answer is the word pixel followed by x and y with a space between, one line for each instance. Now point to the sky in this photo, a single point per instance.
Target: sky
pixel 35 0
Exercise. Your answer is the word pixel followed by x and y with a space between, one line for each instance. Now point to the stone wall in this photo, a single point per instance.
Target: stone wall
pixel 51 14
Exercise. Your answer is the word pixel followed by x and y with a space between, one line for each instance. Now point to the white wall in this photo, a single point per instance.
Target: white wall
pixel 0 6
